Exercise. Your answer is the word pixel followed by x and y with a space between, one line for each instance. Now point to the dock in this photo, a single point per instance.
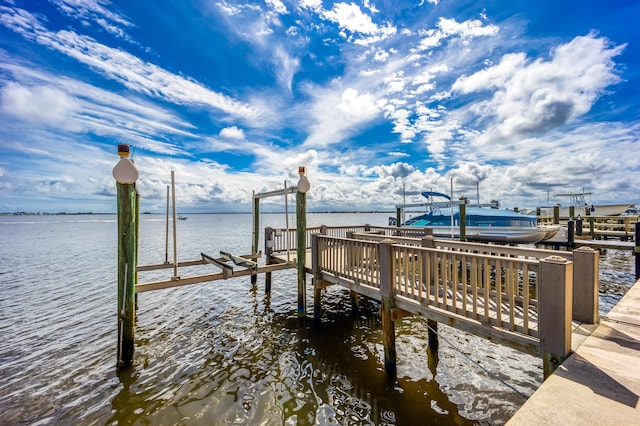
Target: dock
pixel 534 300
pixel 599 383
pixel 520 297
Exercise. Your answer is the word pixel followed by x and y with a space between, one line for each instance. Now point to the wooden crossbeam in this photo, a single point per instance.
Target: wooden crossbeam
pixel 238 260
pixel 220 263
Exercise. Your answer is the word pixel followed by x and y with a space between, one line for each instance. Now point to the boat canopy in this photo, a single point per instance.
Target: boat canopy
pixel 431 194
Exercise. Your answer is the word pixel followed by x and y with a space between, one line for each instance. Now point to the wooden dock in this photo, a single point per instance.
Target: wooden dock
pixel 523 298
pixel 600 382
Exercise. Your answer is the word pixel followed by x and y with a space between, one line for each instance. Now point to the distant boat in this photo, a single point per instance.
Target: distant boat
pixel 482 224
pixel 180 217
pixel 580 206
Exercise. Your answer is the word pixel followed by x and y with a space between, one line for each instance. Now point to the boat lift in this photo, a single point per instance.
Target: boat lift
pixel 462 205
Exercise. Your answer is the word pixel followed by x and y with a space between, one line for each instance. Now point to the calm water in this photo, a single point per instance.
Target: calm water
pixel 224 352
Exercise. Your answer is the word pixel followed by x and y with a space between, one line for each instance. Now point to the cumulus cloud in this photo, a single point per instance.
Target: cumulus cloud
pixel 37 104
pixel 339 114
pixel 352 19
pixel 536 96
pixel 233 133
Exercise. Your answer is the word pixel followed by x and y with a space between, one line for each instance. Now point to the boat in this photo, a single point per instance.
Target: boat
pixel 578 202
pixel 481 223
pixel 180 217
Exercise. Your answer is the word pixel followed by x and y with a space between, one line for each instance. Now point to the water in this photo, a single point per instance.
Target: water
pixel 224 352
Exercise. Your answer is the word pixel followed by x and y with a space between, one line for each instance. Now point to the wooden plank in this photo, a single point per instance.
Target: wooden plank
pixel 197 279
pixel 220 263
pixel 154 267
pixel 238 260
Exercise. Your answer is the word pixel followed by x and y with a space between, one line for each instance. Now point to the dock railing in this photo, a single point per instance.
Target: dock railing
pixel 499 297
pixel 584 276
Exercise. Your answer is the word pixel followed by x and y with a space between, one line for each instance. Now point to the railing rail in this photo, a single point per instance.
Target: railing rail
pixel 494 290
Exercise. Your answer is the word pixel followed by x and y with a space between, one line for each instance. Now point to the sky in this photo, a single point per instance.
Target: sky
pixel 379 99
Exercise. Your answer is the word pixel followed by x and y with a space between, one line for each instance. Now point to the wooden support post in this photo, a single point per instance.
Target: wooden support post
pixel 136 252
pixel 592 229
pixel 579 226
pixel 429 242
pixel 385 256
pixel 572 211
pixel 317 280
pixel 556 215
pixel 433 335
pixel 301 241
pixel 586 270
pixel 256 233
pixel 554 311
pixel 463 222
pixel 355 303
pixel 570 234
pixel 126 176
pixel 268 250
pixel 636 250
pixel 398 217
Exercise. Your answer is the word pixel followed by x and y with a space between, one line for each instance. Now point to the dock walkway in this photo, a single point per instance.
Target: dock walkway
pixel 599 383
pixel 520 297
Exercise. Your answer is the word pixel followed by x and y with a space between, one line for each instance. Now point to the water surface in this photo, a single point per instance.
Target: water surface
pixel 226 352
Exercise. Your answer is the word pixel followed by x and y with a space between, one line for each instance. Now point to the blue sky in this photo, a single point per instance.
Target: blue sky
pixel 523 98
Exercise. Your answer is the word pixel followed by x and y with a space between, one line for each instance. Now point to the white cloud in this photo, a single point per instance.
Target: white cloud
pixel 232 133
pixel 536 96
pixel 37 104
pixel 338 114
pixel 350 17
pixel 277 6
pixel 448 28
pixel 123 67
pixel 99 12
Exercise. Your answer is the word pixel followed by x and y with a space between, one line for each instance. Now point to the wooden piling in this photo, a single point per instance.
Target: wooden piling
pixel 268 251
pixel 463 222
pixel 256 236
pixel 556 215
pixel 636 250
pixel 555 308
pixel 386 291
pixel 126 175
pixel 570 234
pixel 301 240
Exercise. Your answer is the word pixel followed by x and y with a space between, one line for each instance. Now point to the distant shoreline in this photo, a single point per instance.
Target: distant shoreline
pixel 150 213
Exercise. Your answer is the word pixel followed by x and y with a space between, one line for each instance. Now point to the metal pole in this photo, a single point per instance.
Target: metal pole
pixel 175 246
pixel 166 245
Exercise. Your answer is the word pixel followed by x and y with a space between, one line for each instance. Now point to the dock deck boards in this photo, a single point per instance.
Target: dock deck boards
pixel 599 383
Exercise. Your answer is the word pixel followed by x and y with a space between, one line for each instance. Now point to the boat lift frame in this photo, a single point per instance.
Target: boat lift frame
pixel 462 205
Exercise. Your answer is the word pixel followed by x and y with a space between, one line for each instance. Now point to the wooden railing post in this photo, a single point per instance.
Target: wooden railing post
pixel 385 256
pixel 586 269
pixel 554 311
pixel 556 215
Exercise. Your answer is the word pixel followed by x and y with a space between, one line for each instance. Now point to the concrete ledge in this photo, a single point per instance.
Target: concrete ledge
pixel 600 382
